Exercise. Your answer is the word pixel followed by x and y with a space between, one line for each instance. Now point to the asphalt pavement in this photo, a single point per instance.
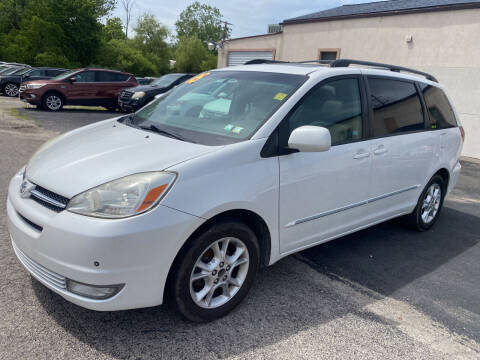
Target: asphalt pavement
pixel 383 293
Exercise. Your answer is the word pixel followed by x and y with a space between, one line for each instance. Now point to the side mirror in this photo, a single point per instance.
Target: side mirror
pixel 72 79
pixel 26 76
pixel 310 139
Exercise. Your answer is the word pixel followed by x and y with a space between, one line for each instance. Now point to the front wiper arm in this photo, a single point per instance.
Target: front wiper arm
pixel 161 131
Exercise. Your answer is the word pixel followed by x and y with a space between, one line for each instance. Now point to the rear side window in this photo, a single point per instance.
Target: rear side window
pixel 37 72
pixel 106 76
pixel 53 73
pixel 396 107
pixel 336 106
pixel 439 109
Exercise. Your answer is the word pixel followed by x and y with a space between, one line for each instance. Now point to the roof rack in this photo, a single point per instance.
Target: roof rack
pixel 395 68
pixel 346 63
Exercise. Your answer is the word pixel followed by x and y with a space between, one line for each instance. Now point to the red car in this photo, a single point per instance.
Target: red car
pixel 91 87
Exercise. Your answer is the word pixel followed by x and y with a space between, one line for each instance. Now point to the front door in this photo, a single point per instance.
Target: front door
pixel 322 194
pixel 83 91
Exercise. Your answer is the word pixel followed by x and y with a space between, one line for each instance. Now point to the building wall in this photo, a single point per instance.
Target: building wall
pixel 445 43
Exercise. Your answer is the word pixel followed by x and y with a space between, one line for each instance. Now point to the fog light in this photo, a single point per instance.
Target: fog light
pixel 32 96
pixel 93 291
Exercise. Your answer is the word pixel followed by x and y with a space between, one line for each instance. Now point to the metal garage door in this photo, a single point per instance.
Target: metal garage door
pixel 241 57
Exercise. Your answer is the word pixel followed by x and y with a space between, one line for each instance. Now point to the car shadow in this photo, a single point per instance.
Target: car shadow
pixel 284 300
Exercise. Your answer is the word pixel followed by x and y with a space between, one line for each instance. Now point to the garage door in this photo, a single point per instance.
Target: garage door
pixel 241 57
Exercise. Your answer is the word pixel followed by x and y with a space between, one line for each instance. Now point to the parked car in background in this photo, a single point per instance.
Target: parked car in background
pixel 10 85
pixel 89 87
pixel 145 80
pixel 10 70
pixel 133 99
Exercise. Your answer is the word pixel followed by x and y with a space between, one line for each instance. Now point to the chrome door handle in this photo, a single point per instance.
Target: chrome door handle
pixel 380 151
pixel 362 155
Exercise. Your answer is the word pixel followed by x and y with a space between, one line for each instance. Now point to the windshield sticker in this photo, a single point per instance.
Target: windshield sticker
pixel 196 78
pixel 237 130
pixel 228 127
pixel 280 96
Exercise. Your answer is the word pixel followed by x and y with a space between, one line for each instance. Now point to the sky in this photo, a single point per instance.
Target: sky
pixel 249 17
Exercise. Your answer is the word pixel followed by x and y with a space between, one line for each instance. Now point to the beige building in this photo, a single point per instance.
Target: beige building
pixel 441 37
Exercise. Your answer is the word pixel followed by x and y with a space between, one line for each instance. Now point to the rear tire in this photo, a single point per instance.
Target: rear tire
pixel 11 89
pixel 215 271
pixel 429 205
pixel 52 102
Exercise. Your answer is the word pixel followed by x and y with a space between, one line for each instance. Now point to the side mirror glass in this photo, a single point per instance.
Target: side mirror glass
pixel 310 139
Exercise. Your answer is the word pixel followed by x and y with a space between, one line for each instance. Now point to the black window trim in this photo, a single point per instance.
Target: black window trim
pixel 370 107
pixel 273 147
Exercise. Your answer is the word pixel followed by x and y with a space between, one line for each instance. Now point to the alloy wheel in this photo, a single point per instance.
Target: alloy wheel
pixel 219 273
pixel 11 90
pixel 53 102
pixel 431 203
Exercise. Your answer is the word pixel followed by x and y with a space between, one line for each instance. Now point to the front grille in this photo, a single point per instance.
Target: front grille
pixel 49 199
pixel 125 95
pixel 50 277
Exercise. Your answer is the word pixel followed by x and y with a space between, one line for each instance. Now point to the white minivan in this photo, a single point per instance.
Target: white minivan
pixel 232 170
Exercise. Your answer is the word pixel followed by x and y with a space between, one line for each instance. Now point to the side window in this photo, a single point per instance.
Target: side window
pixel 439 109
pixel 53 73
pixel 36 73
pixel 336 106
pixel 396 107
pixel 86 76
pixel 106 76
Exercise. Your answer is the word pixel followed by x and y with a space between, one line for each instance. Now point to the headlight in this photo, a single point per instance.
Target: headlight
pixel 35 86
pixel 137 95
pixel 127 196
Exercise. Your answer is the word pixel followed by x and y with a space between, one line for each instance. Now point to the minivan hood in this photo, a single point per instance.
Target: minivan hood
pixel 105 151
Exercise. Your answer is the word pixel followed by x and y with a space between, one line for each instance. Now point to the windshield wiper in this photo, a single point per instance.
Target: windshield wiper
pixel 156 129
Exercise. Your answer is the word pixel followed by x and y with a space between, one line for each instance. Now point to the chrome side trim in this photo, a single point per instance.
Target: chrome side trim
pixel 47 199
pixel 348 207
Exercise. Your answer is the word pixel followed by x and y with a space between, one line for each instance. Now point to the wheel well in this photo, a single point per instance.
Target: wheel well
pixel 53 92
pixel 445 176
pixel 251 219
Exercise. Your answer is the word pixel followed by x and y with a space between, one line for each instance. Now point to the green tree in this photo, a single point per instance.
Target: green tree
pixel 202 21
pixel 113 29
pixel 191 55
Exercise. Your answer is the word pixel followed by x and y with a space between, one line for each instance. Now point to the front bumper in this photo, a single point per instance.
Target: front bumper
pixel 136 251
pixel 30 97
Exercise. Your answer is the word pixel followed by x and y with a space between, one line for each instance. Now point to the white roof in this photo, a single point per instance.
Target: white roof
pixel 305 69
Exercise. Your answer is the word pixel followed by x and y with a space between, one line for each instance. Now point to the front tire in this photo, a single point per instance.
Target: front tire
pixel 11 90
pixel 52 102
pixel 429 205
pixel 215 271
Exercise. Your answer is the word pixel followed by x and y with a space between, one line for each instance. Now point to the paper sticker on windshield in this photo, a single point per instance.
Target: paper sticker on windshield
pixel 228 127
pixel 196 78
pixel 280 96
pixel 237 130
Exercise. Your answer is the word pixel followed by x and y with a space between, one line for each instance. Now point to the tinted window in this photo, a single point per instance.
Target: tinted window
pixel 396 107
pixel 106 76
pixel 53 72
pixel 439 110
pixel 167 80
pixel 37 72
pixel 335 105
pixel 85 76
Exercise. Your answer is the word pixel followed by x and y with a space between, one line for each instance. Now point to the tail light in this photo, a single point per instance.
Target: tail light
pixel 462 132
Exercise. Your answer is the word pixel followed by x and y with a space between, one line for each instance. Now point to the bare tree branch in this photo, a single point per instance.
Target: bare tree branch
pixel 127 6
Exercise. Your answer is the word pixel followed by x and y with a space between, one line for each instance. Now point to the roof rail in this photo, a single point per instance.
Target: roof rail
pixel 264 61
pixel 348 62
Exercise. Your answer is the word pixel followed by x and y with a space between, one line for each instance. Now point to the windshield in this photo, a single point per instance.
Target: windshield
pixel 10 71
pixel 166 80
pixel 219 107
pixel 65 75
pixel 22 71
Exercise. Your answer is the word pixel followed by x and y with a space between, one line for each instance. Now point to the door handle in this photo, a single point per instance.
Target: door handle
pixel 361 155
pixel 380 150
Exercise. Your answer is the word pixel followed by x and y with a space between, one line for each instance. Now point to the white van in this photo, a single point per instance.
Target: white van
pixel 232 170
